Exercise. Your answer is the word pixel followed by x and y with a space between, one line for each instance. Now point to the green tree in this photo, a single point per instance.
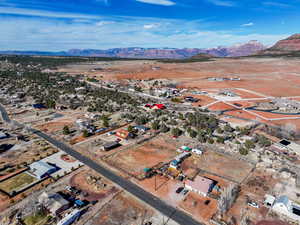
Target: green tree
pixel 193 133
pixel 130 129
pixel 220 140
pixel 243 151
pixel 66 130
pixel 220 131
pixel 176 131
pixel 249 144
pixel 211 141
pixel 155 125
pixel 85 133
pixel 105 121
pixel 164 128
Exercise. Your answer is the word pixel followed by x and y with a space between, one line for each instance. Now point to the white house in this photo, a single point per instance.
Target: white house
pixel 288 146
pixel 200 185
pixel 287 207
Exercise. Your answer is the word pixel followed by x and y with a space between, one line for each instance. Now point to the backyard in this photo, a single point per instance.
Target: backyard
pixel 17 182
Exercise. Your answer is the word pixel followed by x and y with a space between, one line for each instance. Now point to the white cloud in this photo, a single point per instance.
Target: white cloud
pixel 276 4
pixel 150 26
pixel 54 32
pixel 247 24
pixel 102 23
pixel 44 13
pixel 222 3
pixel 158 2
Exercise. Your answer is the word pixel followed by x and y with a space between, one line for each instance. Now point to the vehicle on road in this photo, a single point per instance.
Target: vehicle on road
pixel 253 204
pixel 185 191
pixel 179 190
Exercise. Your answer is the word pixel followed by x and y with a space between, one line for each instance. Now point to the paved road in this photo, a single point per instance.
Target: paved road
pixel 169 211
pixel 4 114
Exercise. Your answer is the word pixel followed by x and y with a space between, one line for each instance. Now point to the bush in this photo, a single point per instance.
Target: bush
pixel 243 151
pixel 249 144
pixel 85 133
pixel 164 128
pixel 155 125
pixel 211 141
pixel 176 131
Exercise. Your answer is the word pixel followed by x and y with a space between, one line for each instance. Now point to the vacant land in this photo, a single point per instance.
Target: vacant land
pixel 133 161
pixel 123 209
pixel 17 182
pixel 219 164
pixel 98 190
pixel 202 208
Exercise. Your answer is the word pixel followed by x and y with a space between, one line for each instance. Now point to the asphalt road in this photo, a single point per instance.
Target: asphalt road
pixel 4 114
pixel 177 215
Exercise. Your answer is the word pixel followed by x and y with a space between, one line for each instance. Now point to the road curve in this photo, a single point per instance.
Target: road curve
pixel 177 215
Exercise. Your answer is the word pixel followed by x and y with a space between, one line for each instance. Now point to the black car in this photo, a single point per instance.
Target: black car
pixel 179 190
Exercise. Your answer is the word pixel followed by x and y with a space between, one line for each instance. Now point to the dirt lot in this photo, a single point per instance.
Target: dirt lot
pixel 163 188
pixel 55 126
pixel 149 154
pixel 264 75
pixel 123 209
pixel 255 187
pixel 220 106
pixel 195 205
pixel 26 152
pixel 99 191
pixel 219 164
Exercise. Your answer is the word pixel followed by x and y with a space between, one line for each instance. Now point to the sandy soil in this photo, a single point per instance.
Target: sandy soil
pixel 219 164
pixel 195 205
pixel 266 222
pixel 55 125
pixel 220 106
pixel 79 181
pixel 133 161
pixel 123 209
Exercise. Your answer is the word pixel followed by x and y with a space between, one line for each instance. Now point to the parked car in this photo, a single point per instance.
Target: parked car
pixel 197 151
pixel 185 191
pixel 179 150
pixel 253 204
pixel 179 190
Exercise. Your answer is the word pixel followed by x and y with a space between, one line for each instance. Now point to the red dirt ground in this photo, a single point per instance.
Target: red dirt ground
pixel 220 106
pixel 133 161
pixel 243 114
pixel 200 211
pixel 269 115
pixel 265 222
pixel 203 100
pixel 163 187
pixel 79 181
pixel 295 122
pixel 246 94
pixel 54 126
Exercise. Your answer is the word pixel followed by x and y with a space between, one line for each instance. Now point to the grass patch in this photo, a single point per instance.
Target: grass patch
pixel 17 182
pixel 39 218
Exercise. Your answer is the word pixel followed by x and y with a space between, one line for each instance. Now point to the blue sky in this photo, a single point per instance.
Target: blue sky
pixel 55 25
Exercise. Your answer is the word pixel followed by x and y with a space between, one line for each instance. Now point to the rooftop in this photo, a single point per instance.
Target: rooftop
pixel 201 184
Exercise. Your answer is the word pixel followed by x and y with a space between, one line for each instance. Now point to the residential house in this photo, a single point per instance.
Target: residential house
pixel 124 134
pixel 110 146
pixel 287 207
pixel 41 169
pixel 54 203
pixel 288 146
pixel 70 217
pixel 200 185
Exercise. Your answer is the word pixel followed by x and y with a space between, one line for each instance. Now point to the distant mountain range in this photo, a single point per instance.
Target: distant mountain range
pixel 246 49
pixel 289 46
